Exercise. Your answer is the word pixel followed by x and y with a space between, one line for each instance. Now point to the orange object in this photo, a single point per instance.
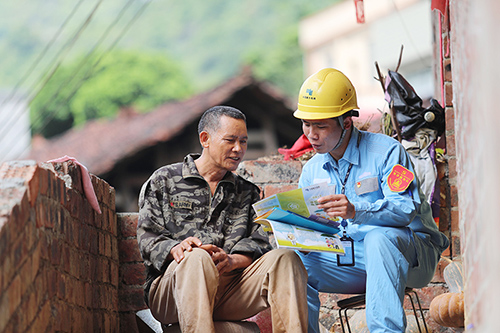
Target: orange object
pixel 448 309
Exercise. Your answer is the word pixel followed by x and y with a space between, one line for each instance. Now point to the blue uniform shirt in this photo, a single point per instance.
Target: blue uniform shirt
pixel 367 187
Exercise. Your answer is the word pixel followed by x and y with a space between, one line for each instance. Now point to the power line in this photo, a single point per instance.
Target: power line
pixel 40 56
pixel 80 66
pixel 88 74
pixel 67 47
pixel 408 32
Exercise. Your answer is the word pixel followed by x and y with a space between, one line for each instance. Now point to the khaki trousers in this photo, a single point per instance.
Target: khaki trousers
pixel 193 294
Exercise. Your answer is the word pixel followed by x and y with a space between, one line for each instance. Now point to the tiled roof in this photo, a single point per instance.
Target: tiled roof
pixel 100 144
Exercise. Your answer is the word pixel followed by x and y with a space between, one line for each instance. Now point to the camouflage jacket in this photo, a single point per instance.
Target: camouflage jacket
pixel 176 203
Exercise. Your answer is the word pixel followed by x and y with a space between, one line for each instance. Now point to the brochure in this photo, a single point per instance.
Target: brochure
pixel 302 202
pixel 296 221
pixel 293 237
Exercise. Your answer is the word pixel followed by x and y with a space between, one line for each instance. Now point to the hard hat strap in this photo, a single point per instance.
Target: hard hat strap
pixel 341 139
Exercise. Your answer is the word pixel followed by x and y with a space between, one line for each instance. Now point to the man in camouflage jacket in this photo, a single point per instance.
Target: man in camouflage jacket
pixel 205 257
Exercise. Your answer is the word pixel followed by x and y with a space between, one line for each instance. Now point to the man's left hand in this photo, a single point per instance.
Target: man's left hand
pixel 226 262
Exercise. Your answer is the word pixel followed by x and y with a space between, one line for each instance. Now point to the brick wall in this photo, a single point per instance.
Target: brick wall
pixel 447 170
pixel 132 272
pixel 58 257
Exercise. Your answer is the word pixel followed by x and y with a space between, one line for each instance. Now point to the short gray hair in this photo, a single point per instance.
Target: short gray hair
pixel 210 119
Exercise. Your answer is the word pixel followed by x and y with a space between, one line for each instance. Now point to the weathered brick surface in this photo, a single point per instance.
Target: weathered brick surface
pixel 47 281
pixel 132 271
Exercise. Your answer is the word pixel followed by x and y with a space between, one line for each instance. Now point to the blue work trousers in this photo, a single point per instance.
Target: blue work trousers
pixel 387 260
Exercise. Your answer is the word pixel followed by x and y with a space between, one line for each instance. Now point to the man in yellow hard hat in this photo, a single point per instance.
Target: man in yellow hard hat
pixel 388 232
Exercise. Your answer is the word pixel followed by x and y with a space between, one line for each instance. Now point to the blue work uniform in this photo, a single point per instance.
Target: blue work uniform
pixel 396 241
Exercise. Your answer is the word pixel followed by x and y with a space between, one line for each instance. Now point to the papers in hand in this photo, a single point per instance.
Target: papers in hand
pixel 296 220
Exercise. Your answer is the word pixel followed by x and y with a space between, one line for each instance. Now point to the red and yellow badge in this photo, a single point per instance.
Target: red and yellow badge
pixel 400 178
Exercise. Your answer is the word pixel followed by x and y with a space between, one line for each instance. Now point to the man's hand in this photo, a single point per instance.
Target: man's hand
pixel 337 205
pixel 177 252
pixel 226 262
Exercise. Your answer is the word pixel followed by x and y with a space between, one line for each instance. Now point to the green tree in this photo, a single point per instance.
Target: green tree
pixel 281 65
pixel 78 92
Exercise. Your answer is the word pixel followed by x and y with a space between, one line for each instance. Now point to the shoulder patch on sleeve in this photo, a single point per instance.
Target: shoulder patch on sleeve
pixel 400 178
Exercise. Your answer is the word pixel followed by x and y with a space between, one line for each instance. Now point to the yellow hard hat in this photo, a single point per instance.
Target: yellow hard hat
pixel 326 94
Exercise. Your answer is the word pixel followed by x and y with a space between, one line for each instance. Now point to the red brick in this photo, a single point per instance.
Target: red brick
pixel 14 294
pixel 44 175
pixel 453 196
pixel 26 275
pixel 133 274
pixel 131 299
pixel 80 299
pixel 101 243
pixel 105 276
pixel 19 253
pixel 448 91
pixel 94 244
pixel 62 287
pixel 452 168
pixel 113 222
pixel 449 120
pixel 455 246
pixel 55 253
pixel 128 250
pixel 4 315
pixel 34 187
pixel 114 249
pixel 455 227
pixel 447 70
pixel 97 320
pixel 114 274
pixel 53 277
pixel 84 269
pixel 31 307
pixel 76 318
pixel 66 258
pixel 127 224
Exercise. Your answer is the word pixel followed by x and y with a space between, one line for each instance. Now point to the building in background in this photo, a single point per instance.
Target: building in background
pixel 15 134
pixel 126 150
pixel 333 38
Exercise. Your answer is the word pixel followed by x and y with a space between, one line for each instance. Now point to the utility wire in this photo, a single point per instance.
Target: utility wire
pixel 408 33
pixel 40 56
pixel 66 48
pixel 67 83
pixel 88 74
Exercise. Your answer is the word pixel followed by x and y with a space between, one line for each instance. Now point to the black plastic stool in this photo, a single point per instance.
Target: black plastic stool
pixel 359 300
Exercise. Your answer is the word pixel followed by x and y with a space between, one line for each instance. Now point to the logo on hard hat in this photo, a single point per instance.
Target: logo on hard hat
pixel 309 92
